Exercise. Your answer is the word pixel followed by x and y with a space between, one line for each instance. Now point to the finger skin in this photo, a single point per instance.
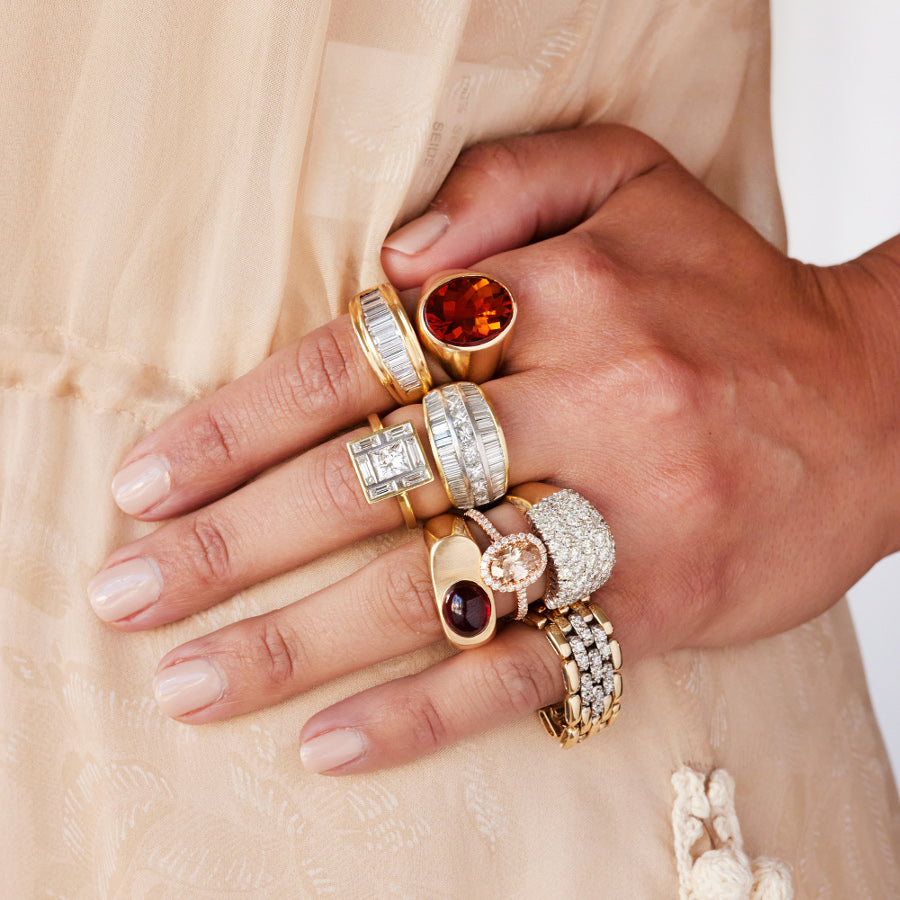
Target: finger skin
pixel 507 194
pixel 298 397
pixel 293 514
pixel 472 692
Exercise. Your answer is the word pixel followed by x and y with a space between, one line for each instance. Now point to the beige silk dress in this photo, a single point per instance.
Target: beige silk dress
pixel 187 186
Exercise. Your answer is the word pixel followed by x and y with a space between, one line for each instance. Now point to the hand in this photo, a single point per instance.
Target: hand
pixel 728 410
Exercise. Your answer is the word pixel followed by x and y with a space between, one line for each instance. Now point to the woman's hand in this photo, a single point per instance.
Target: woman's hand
pixel 731 412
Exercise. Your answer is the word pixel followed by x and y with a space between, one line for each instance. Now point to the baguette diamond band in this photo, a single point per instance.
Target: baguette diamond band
pixel 468 444
pixel 390 344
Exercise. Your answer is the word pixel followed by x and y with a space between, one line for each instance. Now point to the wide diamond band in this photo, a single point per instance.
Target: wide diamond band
pixel 580 546
pixel 389 343
pixel 581 636
pixel 468 444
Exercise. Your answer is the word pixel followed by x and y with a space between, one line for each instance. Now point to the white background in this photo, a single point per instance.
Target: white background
pixel 836 113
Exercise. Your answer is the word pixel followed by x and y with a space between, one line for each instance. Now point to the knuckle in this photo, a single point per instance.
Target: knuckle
pixel 496 161
pixel 662 385
pixel 318 376
pixel 427 727
pixel 207 548
pixel 278 652
pixel 217 436
pixel 407 591
pixel 330 487
pixel 516 682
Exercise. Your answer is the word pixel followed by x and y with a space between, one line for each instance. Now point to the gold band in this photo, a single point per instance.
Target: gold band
pixel 468 332
pixel 389 462
pixel 580 635
pixel 465 603
pixel 390 344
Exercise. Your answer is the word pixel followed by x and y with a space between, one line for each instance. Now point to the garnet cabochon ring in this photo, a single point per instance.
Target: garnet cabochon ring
pixel 389 343
pixel 464 319
pixel 465 602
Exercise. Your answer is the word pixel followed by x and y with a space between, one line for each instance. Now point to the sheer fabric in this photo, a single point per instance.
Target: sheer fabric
pixel 186 187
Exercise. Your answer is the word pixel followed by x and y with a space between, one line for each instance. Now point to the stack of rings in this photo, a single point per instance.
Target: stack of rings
pixel 464 319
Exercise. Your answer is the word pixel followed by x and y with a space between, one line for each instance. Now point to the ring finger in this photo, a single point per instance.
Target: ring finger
pixel 386 609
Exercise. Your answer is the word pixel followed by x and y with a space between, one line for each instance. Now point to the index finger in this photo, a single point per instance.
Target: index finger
pixel 298 397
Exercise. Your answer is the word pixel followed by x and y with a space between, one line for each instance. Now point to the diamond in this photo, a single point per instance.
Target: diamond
pixel 579 543
pixel 468 310
pixel 389 461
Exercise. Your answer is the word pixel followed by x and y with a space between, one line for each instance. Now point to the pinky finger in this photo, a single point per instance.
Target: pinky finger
pixel 467 694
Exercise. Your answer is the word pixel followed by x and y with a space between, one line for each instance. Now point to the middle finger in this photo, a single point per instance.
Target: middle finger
pixel 308 507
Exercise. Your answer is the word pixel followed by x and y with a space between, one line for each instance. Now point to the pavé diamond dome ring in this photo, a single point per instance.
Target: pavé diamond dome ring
pixel 465 603
pixel 465 319
pixel 580 547
pixel 389 462
pixel 390 344
pixel 468 444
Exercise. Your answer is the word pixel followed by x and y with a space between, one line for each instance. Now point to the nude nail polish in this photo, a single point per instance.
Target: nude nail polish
pixel 332 749
pixel 418 235
pixel 188 686
pixel 125 589
pixel 141 484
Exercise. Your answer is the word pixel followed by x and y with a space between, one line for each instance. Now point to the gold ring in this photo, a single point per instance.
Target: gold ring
pixel 580 635
pixel 468 444
pixel 390 344
pixel 465 603
pixel 465 319
pixel 389 462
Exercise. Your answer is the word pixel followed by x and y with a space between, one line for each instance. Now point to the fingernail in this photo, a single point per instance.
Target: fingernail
pixel 188 686
pixel 332 749
pixel 141 484
pixel 418 235
pixel 125 589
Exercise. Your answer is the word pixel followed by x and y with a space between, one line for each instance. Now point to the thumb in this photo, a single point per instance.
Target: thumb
pixel 509 193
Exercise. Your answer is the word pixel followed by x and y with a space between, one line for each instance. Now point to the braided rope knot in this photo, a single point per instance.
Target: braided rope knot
pixel 704 814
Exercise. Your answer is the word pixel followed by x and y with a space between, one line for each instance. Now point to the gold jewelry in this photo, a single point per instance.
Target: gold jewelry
pixel 390 345
pixel 510 563
pixel 465 603
pixel 580 635
pixel 580 547
pixel 467 443
pixel 389 462
pixel 465 320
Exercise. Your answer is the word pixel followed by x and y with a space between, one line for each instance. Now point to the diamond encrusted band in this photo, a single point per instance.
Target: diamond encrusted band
pixel 390 344
pixel 468 444
pixel 580 546
pixel 389 462
pixel 580 635
pixel 512 562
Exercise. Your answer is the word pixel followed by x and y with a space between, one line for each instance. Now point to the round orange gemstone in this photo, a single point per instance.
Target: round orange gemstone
pixel 468 310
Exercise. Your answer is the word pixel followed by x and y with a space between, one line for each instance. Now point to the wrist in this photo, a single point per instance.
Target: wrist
pixel 864 297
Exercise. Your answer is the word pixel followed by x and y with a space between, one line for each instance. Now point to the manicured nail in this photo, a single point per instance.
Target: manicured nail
pixel 420 234
pixel 332 749
pixel 141 484
pixel 188 686
pixel 125 589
